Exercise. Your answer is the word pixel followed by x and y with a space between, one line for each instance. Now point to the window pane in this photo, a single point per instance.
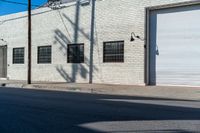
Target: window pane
pixel 75 53
pixel 18 55
pixel 113 51
pixel 44 54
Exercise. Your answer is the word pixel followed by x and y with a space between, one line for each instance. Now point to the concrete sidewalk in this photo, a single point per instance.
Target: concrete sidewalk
pixel 187 93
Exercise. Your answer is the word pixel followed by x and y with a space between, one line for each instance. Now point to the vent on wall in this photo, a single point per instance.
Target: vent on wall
pixel 51 1
pixel 84 2
pixel 54 4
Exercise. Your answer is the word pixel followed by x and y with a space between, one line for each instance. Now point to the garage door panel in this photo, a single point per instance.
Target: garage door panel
pixel 175 33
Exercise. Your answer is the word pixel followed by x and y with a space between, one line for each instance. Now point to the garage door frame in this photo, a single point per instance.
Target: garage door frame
pixel 150 76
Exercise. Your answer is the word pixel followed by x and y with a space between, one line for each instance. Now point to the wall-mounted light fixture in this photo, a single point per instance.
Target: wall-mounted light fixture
pixel 134 36
pixel 3 40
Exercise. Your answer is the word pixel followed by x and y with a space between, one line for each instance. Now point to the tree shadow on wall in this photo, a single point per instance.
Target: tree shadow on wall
pixel 80 69
pixel 76 69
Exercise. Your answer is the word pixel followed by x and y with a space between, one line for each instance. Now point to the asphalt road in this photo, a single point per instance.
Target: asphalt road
pixel 37 111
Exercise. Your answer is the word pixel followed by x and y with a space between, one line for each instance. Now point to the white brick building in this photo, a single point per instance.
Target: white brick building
pixel 113 21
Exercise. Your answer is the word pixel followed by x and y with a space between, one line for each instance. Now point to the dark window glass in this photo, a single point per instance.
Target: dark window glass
pixel 44 54
pixel 75 53
pixel 113 51
pixel 18 55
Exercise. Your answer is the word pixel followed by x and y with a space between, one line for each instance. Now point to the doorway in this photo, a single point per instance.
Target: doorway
pixel 3 61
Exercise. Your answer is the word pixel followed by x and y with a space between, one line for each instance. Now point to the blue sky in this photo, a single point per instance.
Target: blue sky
pixel 8 8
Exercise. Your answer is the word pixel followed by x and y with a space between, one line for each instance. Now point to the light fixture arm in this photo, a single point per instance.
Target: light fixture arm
pixel 133 36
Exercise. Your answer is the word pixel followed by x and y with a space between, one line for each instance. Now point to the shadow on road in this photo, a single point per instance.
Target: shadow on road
pixel 40 111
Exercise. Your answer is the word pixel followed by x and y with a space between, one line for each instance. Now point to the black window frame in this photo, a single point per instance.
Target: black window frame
pixel 71 59
pixel 44 60
pixel 17 57
pixel 120 59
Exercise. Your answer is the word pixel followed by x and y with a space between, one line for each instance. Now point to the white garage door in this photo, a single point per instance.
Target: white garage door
pixel 176 32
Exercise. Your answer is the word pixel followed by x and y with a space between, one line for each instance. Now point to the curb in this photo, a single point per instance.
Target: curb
pixel 156 92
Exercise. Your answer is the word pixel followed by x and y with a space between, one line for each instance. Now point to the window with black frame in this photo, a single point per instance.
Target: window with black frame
pixel 18 55
pixel 75 53
pixel 44 54
pixel 113 51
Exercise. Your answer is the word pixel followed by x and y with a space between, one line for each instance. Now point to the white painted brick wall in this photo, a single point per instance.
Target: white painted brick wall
pixel 115 20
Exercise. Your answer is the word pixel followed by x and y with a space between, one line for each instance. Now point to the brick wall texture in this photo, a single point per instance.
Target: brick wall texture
pixel 114 21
